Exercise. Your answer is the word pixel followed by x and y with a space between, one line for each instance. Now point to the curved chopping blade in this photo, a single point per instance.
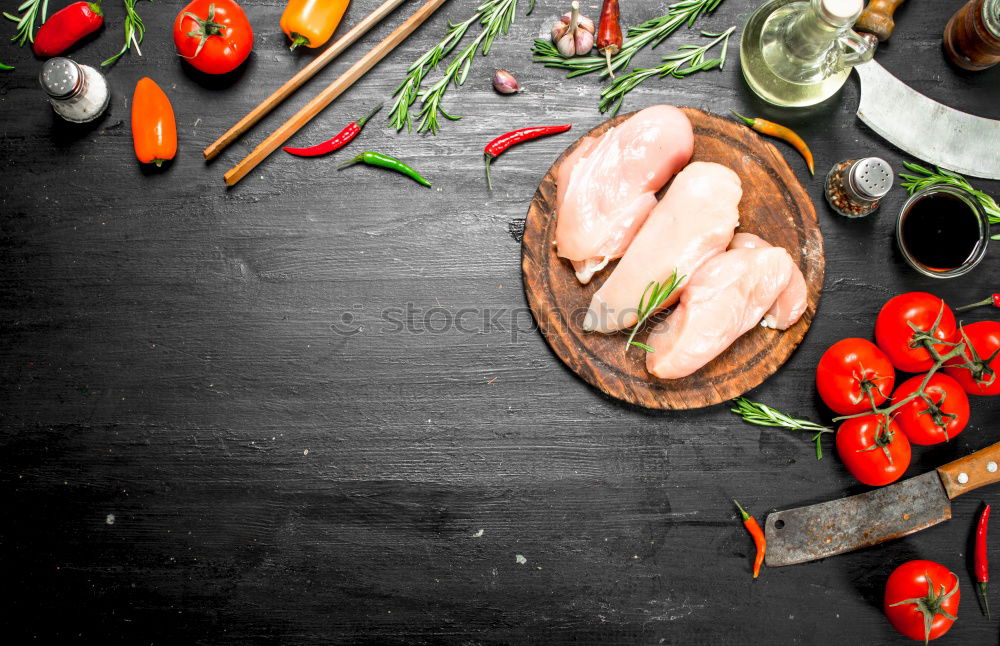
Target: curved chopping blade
pixel 817 531
pixel 927 129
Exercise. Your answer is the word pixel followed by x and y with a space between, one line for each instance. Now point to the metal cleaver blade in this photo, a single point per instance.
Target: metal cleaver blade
pixel 817 531
pixel 927 129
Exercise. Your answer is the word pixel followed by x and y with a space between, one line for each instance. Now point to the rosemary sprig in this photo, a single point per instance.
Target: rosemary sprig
pixel 764 415
pixel 657 292
pixel 914 183
pixel 688 60
pixel 496 17
pixel 652 32
pixel 26 21
pixel 5 67
pixel 134 31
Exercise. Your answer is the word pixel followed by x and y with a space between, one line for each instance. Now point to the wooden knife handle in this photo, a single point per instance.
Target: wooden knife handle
pixel 877 18
pixel 971 472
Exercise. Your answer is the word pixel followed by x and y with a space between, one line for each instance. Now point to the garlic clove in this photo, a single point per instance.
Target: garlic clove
pixel 584 42
pixel 566 45
pixel 505 83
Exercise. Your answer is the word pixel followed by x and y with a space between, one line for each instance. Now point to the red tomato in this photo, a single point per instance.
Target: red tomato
pixel 982 345
pixel 924 424
pixel 931 584
pixel 848 369
pixel 895 334
pixel 213 35
pixel 874 454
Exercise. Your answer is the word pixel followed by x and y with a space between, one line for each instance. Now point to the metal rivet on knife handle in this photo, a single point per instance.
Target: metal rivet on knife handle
pixel 991 466
pixel 963 478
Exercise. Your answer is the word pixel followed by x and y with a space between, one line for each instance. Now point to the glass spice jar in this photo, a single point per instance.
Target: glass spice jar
pixel 972 36
pixel 855 187
pixel 78 93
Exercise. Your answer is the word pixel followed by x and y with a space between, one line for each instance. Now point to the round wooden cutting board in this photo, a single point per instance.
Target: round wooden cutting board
pixel 774 206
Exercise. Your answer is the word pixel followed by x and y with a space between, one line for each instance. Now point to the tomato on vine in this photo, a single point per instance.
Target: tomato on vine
pixel 938 420
pixel 875 451
pixel 849 371
pixel 906 321
pixel 213 35
pixel 977 369
pixel 921 599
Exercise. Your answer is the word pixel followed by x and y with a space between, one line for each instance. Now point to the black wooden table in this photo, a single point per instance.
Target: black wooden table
pixel 313 409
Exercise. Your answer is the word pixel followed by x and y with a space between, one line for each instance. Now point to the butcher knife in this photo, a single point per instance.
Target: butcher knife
pixel 920 126
pixel 817 531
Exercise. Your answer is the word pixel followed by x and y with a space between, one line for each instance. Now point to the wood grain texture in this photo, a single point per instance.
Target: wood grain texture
pixel 774 206
pixel 971 472
pixel 170 349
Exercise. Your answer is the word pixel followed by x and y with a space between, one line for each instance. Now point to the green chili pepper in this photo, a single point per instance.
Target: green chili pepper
pixel 385 161
pixel 5 66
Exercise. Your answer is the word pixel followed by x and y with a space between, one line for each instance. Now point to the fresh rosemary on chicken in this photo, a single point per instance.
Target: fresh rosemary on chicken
pixel 688 60
pixel 496 17
pixel 652 32
pixel 657 293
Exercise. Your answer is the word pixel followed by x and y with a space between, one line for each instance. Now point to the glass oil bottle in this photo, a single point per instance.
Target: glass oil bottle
pixel 797 53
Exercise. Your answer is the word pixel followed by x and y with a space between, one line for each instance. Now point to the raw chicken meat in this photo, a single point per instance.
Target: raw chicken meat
pixel 792 302
pixel 725 298
pixel 693 222
pixel 607 186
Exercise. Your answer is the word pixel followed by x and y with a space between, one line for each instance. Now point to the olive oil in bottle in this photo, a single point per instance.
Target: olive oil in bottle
pixel 796 53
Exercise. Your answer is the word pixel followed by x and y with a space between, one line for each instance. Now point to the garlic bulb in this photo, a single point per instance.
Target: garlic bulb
pixel 573 34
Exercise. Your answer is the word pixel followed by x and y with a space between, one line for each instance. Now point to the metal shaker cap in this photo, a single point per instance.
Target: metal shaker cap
pixel 869 179
pixel 61 78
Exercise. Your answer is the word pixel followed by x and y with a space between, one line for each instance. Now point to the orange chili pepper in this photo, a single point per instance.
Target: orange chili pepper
pixel 312 22
pixel 154 131
pixel 773 129
pixel 758 538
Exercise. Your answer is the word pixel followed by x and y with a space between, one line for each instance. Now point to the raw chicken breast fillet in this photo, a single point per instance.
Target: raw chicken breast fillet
pixel 725 298
pixel 693 222
pixel 607 186
pixel 792 302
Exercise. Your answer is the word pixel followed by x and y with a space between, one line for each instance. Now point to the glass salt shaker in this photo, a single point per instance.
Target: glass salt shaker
pixel 855 187
pixel 78 93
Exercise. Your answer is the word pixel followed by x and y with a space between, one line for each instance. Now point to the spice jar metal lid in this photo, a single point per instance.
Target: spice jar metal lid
pixel 61 78
pixel 868 179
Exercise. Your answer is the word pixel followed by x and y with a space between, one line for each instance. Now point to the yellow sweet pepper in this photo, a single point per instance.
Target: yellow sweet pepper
pixel 312 22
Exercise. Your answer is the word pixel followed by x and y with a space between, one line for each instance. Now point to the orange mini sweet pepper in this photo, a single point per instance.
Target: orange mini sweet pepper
pixel 312 22
pixel 154 131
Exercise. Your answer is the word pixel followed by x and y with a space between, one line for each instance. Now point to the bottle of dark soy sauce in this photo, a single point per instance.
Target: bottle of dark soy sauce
pixel 942 232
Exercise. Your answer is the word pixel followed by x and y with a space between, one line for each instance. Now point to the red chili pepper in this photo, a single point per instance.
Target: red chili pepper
pixel 982 566
pixel 992 300
pixel 67 26
pixel 609 32
pixel 497 147
pixel 758 538
pixel 343 138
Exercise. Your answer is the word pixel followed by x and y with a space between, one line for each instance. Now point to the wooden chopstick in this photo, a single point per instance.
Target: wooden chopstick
pixel 332 91
pixel 303 75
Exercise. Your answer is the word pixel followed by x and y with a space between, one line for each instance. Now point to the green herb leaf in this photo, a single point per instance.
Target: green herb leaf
pixel 134 29
pixel 30 10
pixel 496 17
pixel 927 177
pixel 657 293
pixel 764 415
pixel 689 60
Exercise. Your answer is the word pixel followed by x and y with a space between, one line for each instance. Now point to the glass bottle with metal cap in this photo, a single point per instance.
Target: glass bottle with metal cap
pixel 855 187
pixel 78 93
